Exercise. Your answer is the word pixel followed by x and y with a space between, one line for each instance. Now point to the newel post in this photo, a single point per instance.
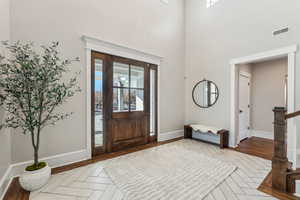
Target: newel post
pixel 280 163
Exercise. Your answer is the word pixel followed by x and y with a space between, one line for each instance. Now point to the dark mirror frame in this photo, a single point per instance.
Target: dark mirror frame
pixel 217 96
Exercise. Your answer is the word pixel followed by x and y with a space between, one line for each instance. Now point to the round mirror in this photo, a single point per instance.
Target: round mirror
pixel 205 94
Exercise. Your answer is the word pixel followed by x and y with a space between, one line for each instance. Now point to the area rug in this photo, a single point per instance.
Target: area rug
pixel 167 172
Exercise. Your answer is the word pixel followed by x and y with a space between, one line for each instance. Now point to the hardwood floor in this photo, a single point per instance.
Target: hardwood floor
pixel 256 146
pixel 263 148
pixel 266 187
pixel 15 192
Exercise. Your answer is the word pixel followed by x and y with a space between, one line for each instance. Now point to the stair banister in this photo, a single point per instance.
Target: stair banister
pixel 292 115
pixel 283 177
pixel 280 163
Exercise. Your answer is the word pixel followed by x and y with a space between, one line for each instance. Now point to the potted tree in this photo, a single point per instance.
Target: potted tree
pixel 31 88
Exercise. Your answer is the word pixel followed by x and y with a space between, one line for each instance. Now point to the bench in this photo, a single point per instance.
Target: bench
pixel 207 134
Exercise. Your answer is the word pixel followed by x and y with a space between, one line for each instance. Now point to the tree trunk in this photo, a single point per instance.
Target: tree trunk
pixel 36 157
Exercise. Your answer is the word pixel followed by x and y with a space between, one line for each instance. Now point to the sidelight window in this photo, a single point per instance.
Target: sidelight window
pixel 128 87
pixel 153 89
pixel 97 89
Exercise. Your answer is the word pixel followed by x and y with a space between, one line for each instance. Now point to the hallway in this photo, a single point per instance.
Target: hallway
pixel 256 146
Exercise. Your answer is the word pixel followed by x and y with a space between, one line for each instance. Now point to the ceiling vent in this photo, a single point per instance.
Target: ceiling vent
pixel 165 1
pixel 281 31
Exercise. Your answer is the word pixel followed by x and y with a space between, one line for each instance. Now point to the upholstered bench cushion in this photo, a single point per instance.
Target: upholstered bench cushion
pixel 205 129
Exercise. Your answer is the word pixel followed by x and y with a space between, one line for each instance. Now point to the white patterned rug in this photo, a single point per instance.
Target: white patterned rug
pixel 167 172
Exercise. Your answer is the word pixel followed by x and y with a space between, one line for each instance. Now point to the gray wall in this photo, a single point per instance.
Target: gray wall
pixel 146 25
pixel 228 30
pixel 5 145
pixel 267 91
pixel 233 29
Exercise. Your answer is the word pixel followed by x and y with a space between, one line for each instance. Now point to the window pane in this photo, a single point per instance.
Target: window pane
pixel 120 100
pixel 137 77
pixel 98 93
pixel 121 74
pixel 152 102
pixel 137 100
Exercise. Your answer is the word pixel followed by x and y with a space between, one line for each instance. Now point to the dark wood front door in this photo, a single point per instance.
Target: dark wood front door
pixel 129 103
pixel 129 122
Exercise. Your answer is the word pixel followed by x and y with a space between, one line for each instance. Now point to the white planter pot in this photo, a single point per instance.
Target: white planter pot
pixel 32 181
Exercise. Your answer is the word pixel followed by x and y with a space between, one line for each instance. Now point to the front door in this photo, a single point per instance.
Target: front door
pixel 129 122
pixel 125 112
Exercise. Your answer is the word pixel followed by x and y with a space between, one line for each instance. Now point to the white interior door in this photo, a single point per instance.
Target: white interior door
pixel 244 103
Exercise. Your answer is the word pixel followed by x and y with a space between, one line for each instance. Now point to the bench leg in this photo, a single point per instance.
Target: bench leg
pixel 188 132
pixel 224 139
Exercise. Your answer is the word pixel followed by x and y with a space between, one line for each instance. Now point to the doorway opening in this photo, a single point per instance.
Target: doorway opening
pixel 262 86
pixel 123 103
pixel 286 52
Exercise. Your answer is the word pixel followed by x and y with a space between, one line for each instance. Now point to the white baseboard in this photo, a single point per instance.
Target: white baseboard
pixel 5 182
pixel 262 134
pixel 77 156
pixel 170 135
pixel 53 161
pixel 59 160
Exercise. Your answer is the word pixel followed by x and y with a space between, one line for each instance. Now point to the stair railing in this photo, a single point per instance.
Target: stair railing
pixel 283 177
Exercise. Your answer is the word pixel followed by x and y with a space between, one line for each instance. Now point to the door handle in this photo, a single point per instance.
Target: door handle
pixel 241 111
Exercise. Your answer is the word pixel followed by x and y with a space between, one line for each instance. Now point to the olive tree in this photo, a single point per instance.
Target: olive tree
pixel 32 87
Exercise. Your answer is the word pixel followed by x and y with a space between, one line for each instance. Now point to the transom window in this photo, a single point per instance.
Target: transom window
pixel 210 3
pixel 128 88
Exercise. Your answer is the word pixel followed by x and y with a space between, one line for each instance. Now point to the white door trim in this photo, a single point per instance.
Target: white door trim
pixel 290 52
pixel 94 44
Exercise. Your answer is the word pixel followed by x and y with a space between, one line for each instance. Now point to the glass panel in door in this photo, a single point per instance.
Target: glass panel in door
pixel 136 100
pixel 137 77
pixel 120 99
pixel 120 87
pixel 152 102
pixel 121 75
pixel 137 88
pixel 98 105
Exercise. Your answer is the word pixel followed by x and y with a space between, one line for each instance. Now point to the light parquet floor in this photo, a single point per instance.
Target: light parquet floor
pixel 92 183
